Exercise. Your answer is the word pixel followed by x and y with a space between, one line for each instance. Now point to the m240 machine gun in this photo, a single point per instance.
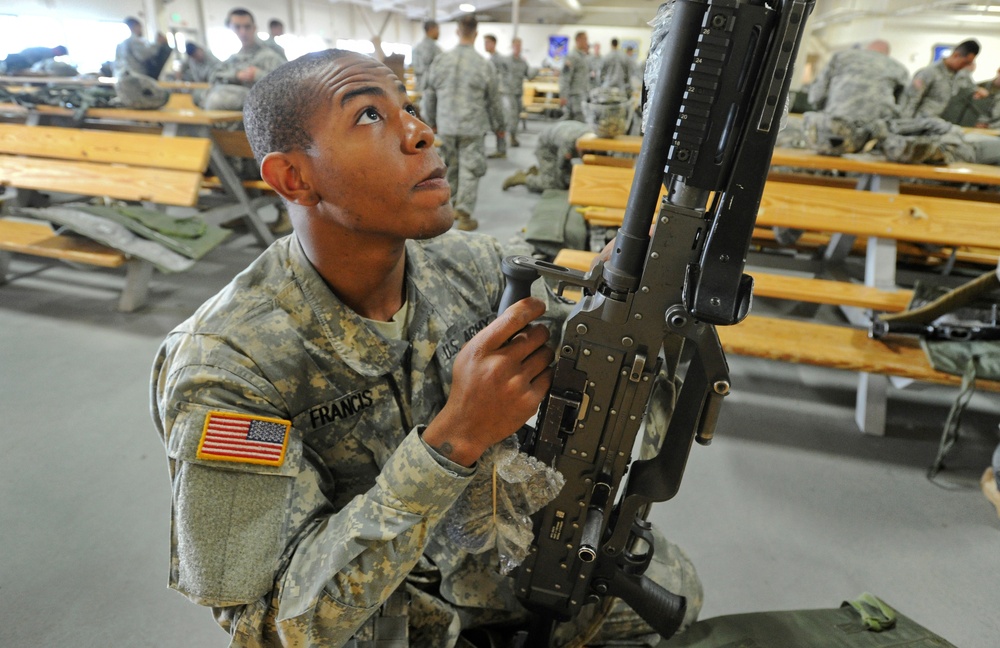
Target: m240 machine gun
pixel 712 120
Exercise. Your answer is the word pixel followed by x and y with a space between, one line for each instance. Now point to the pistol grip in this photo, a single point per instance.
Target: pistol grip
pixel 519 280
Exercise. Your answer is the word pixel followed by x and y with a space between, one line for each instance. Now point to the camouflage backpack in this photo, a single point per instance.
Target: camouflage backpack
pixel 830 135
pixel 140 91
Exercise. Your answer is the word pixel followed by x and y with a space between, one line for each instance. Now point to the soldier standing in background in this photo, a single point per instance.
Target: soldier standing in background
pixel 574 80
pixel 276 28
pixel 232 80
pixel 138 55
pixel 512 87
pixel 424 54
pixel 461 103
pixel 616 70
pixel 501 65
pixel 860 84
pixel 554 151
pixel 933 86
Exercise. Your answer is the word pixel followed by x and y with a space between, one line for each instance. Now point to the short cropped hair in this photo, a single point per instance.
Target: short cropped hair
pixel 467 25
pixel 132 21
pixel 279 107
pixel 491 38
pixel 579 35
pixel 275 23
pixel 429 25
pixel 614 42
pixel 190 48
pixel 239 11
pixel 967 47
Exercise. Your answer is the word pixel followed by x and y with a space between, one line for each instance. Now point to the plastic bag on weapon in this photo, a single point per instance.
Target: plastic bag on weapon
pixel 494 511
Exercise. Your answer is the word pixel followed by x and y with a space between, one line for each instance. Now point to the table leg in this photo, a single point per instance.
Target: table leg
pixel 137 275
pixel 880 272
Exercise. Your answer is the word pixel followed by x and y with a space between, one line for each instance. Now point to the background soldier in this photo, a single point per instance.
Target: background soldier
pixel 554 151
pixel 934 86
pixel 138 55
pixel 501 65
pixel 860 84
pixel 575 80
pixel 461 103
pixel 232 79
pixel 424 54
pixel 20 62
pixel 199 64
pixel 512 87
pixel 616 70
pixel 276 28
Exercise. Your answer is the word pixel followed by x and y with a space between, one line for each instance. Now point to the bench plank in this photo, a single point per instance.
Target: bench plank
pixel 38 239
pixel 136 149
pixel 814 291
pixel 839 347
pixel 920 219
pixel 232 143
pixel 165 186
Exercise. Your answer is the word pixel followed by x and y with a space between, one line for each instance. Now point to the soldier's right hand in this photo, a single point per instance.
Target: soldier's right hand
pixel 498 380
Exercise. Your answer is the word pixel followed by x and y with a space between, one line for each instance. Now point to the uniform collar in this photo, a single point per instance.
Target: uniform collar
pixel 359 346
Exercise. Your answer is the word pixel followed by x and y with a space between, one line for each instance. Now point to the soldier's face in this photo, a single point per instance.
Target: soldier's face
pixel 373 163
pixel 244 28
pixel 490 46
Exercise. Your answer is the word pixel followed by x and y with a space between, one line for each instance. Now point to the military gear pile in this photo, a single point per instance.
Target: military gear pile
pixel 925 140
pixel 608 112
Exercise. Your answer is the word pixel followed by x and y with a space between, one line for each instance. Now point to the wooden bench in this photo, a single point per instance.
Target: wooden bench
pixel 824 345
pixel 540 97
pixel 165 171
pixel 882 220
pixel 889 217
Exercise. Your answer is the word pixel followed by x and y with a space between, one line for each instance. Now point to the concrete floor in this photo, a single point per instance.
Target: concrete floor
pixel 791 507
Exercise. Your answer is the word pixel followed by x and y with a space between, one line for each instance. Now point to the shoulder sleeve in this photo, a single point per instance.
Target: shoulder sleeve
pixel 259 536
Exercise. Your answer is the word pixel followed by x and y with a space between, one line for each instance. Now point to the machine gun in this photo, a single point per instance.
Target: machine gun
pixel 651 309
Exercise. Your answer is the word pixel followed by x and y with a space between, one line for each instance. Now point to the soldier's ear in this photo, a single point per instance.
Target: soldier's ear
pixel 283 171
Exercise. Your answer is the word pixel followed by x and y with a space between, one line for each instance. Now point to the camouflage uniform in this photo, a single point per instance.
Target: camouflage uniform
pixel 501 65
pixel 512 87
pixel 423 55
pixel 931 89
pixel 859 84
pixel 305 551
pixel 616 71
pixel 227 92
pixel 140 57
pixel 199 71
pixel 574 83
pixel 462 102
pixel 555 151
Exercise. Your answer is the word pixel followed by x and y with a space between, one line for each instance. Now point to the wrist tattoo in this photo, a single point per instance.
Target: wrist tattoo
pixel 445 449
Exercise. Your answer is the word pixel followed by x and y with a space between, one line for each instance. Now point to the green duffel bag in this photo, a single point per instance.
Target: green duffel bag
pixel 866 622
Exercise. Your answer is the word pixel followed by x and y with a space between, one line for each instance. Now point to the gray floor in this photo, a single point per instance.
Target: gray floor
pixel 791 507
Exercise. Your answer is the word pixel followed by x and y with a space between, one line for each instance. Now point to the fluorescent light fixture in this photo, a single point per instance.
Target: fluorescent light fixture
pixel 977 18
pixel 466 7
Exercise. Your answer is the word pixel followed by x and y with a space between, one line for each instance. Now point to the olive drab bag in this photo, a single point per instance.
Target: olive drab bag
pixel 961 336
pixel 866 622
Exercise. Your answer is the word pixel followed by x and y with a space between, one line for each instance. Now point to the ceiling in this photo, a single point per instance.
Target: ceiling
pixel 983 16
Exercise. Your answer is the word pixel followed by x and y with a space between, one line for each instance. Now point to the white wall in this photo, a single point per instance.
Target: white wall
pixel 912 44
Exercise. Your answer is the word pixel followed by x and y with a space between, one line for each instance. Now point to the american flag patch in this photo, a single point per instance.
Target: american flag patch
pixel 243 438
